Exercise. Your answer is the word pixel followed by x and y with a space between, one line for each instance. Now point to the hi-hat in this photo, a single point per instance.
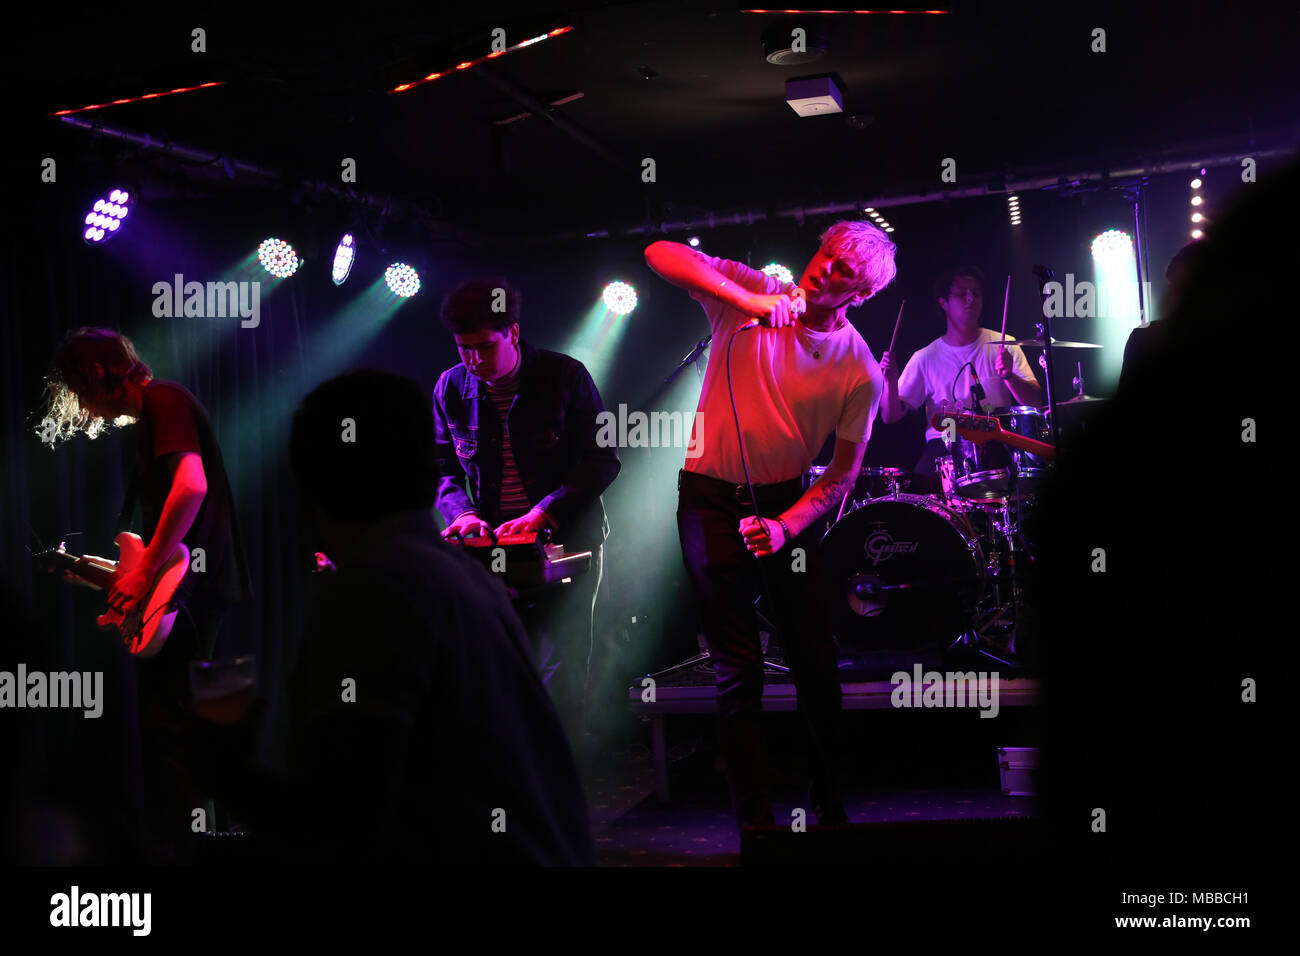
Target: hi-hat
pixel 1056 344
pixel 1080 400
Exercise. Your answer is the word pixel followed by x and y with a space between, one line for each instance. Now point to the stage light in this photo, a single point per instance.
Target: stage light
pixel 344 255
pixel 1197 201
pixel 869 209
pixel 106 217
pixel 1196 233
pixel 278 258
pixel 619 298
pixel 779 271
pixel 1117 304
pixel 402 279
pixel 1113 243
pixel 695 240
pixel 889 229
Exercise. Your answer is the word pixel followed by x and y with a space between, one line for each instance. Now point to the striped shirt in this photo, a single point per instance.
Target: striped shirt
pixel 514 499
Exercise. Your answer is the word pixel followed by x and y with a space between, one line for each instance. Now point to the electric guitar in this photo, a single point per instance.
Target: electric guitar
pixel 982 428
pixel 144 630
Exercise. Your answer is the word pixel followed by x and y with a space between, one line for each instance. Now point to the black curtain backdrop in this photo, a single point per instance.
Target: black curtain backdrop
pixel 248 379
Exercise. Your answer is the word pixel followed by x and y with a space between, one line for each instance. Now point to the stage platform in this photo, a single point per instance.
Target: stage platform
pixel 691 691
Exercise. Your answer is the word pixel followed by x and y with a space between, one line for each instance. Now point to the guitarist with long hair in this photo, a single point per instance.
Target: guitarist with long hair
pixel 96 380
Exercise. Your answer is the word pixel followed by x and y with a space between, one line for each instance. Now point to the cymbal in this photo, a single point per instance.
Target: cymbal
pixel 1056 344
pixel 1080 400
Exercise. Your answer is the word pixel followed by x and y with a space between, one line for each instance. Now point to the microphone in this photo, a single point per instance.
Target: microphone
pixel 797 306
pixel 976 390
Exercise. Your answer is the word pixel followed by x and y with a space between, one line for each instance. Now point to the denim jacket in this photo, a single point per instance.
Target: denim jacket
pixel 553 429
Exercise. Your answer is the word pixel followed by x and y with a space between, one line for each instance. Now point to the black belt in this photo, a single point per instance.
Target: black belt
pixel 770 493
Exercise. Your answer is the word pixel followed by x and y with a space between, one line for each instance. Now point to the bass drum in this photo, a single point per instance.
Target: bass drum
pixel 907 572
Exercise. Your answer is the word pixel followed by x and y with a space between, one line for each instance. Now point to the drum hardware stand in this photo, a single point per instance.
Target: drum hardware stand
pixel 707 658
pixel 1045 275
pixel 1002 614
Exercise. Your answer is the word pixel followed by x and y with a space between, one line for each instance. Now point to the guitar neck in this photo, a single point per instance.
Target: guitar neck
pixel 90 569
pixel 1030 445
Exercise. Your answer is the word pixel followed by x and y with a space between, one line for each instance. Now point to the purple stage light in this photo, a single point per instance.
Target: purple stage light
pixel 106 216
pixel 344 255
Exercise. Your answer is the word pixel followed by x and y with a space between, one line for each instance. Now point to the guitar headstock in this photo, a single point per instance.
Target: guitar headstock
pixel 966 422
pixel 53 560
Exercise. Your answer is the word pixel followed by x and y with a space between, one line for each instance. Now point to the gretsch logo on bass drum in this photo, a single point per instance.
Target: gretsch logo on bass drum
pixel 880 546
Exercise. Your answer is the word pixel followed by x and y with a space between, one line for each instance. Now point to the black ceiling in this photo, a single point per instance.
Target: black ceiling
pixel 1001 92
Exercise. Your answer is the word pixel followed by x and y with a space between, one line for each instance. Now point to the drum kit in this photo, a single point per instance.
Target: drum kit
pixel 945 571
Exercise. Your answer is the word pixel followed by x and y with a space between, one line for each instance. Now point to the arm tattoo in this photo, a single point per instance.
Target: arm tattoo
pixel 829 494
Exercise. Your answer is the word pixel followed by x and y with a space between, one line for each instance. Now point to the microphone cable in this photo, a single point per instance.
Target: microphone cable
pixel 764 590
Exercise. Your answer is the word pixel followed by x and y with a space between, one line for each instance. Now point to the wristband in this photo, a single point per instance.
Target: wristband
pixel 786 528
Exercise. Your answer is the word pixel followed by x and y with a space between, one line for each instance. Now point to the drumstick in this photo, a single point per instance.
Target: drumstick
pixel 1005 300
pixel 899 320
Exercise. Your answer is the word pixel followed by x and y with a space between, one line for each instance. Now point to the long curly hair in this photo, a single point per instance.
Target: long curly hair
pixel 93 365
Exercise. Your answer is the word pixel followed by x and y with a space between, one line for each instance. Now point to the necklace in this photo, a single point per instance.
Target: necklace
pixel 817 351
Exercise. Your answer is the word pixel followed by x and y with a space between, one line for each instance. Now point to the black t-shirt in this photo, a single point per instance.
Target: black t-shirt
pixel 173 422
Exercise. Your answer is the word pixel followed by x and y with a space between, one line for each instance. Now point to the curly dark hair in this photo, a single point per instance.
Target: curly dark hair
pixel 486 302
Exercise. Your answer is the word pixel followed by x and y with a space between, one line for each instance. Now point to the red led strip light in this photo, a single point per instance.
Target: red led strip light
pixel 847 11
pixel 483 59
pixel 136 99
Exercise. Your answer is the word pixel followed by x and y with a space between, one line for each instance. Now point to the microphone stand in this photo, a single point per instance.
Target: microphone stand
pixel 1045 275
pixel 691 359
pixel 704 657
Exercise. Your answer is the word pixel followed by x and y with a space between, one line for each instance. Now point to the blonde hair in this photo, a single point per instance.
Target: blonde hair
pixel 867 248
pixel 93 364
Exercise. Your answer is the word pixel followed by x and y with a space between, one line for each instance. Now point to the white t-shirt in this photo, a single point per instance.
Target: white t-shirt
pixel 930 374
pixel 793 386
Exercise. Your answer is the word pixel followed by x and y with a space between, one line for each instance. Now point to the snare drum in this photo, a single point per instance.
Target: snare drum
pixel 985 473
pixel 978 472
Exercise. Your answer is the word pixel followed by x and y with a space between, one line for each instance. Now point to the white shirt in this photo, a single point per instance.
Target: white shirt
pixel 930 374
pixel 793 386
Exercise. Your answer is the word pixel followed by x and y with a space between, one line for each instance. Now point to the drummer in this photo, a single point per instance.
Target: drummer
pixel 931 376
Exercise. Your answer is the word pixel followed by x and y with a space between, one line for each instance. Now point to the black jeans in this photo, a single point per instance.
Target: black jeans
pixel 725 579
pixel 162 681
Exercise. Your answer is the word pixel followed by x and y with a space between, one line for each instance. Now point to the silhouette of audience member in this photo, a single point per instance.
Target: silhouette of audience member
pixel 1145 338
pixel 420 731
pixel 1164 590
